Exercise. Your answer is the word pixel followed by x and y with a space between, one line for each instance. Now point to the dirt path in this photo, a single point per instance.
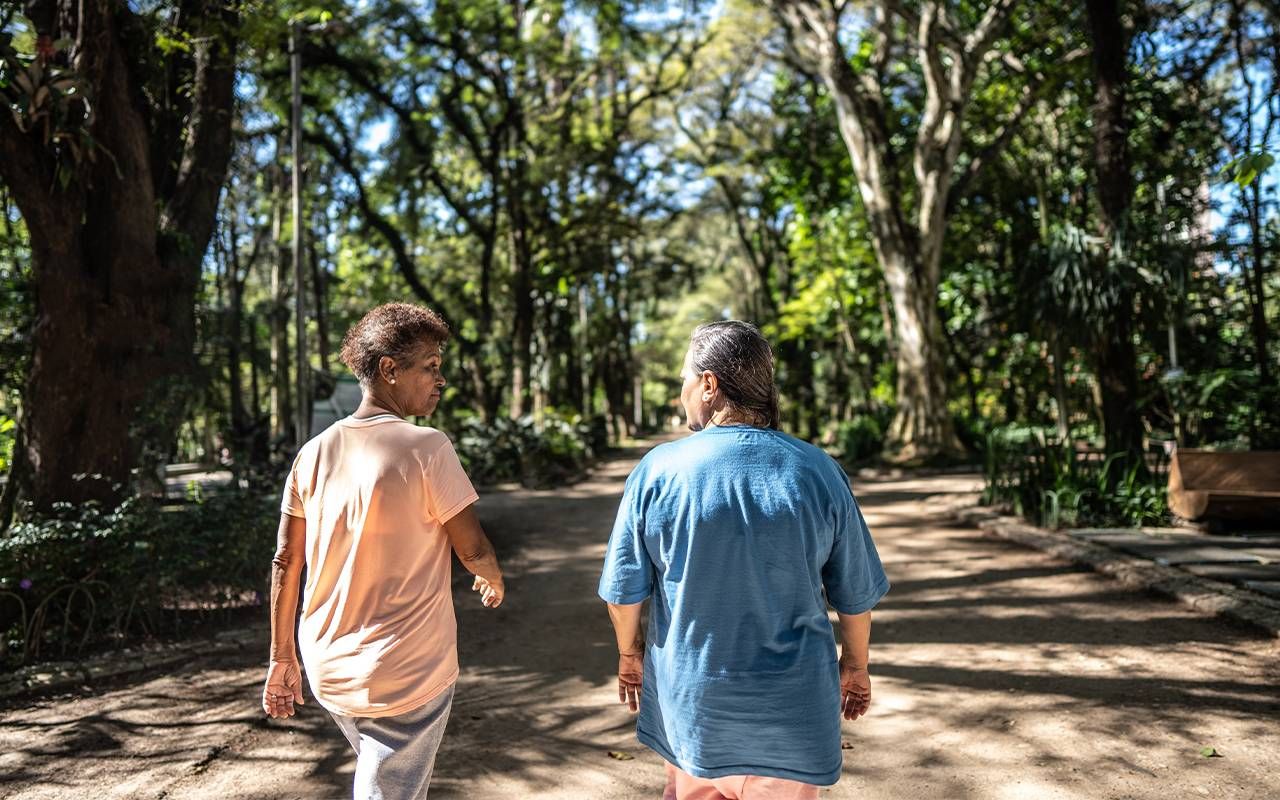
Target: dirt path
pixel 999 673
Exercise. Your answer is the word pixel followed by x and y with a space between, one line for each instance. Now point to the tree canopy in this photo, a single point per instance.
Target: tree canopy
pixel 950 218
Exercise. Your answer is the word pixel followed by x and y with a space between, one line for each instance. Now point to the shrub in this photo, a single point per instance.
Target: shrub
pixel 1051 483
pixel 83 575
pixel 518 450
pixel 860 438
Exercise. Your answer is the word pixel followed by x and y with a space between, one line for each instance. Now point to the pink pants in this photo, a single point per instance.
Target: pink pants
pixel 683 786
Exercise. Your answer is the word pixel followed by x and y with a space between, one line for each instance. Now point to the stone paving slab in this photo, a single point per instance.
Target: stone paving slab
pixel 1173 550
pixel 1236 573
pixel 1256 602
pixel 1271 588
pixel 1176 556
pixel 1269 554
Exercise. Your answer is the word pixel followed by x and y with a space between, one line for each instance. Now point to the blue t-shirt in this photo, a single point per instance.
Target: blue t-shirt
pixel 735 532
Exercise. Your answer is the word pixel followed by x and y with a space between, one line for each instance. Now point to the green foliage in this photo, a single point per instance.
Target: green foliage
pixel 8 433
pixel 552 453
pixel 88 575
pixel 860 438
pixel 1055 485
pixel 1244 170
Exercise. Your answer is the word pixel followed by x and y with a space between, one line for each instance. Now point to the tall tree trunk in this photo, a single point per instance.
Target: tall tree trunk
pixel 522 278
pixel 116 254
pixel 281 385
pixel 235 335
pixel 320 289
pixel 1115 350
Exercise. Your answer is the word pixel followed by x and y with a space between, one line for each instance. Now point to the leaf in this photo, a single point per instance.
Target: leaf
pixel 1244 170
pixel 618 755
pixel 1210 752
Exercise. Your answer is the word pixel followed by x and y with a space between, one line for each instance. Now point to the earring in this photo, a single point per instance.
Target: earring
pixel 706 398
pixel 393 380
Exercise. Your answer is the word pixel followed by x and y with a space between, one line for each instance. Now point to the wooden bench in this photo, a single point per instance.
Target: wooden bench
pixel 1241 487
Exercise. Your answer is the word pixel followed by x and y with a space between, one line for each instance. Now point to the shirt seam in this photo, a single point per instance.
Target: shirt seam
pixel 457 508
pixel 624 598
pixel 867 601
pixel 827 778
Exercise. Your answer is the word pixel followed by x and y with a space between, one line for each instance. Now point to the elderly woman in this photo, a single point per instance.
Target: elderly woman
pixel 736 533
pixel 372 507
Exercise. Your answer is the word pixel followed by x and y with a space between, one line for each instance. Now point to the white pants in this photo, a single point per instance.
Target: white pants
pixel 395 755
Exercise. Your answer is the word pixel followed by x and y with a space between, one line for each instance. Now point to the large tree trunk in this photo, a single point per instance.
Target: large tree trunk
pixel 116 254
pixel 1116 354
pixel 922 427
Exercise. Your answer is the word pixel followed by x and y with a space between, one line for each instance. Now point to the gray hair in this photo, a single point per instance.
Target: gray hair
pixel 742 361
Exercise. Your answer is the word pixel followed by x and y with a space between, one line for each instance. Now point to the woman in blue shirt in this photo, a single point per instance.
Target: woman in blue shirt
pixel 740 536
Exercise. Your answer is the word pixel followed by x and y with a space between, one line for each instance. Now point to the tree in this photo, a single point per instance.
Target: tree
pixel 114 145
pixel 1115 353
pixel 951 59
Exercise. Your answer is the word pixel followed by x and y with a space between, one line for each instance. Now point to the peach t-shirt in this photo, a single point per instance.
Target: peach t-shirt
pixel 378 635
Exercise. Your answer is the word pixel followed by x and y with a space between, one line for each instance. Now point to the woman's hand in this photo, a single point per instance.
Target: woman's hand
pixel 283 688
pixel 855 690
pixel 630 676
pixel 491 593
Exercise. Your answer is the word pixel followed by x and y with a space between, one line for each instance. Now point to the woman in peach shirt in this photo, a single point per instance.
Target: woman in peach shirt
pixel 372 507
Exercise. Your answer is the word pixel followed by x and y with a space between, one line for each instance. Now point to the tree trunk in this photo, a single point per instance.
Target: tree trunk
pixel 234 335
pixel 922 428
pixel 1116 355
pixel 116 254
pixel 281 396
pixel 522 289
pixel 320 289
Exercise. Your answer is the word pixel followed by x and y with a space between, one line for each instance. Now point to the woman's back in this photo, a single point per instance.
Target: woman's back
pixel 377 632
pixel 736 531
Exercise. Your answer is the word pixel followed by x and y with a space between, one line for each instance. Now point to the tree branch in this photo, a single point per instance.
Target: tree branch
pixel 206 154
pixel 1033 92
pixel 405 265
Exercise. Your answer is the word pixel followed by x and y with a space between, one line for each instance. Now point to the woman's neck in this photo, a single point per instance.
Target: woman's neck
pixel 371 406
pixel 729 416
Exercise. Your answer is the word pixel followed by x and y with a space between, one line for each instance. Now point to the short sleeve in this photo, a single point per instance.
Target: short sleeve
pixel 628 572
pixel 291 503
pixel 853 576
pixel 449 490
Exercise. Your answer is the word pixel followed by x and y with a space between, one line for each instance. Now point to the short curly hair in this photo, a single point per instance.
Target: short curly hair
pixel 397 330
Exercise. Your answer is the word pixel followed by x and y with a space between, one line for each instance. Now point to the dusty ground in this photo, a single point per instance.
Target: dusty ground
pixel 998 673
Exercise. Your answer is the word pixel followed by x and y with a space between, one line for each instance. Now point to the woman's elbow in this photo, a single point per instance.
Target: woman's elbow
pixel 286 559
pixel 477 552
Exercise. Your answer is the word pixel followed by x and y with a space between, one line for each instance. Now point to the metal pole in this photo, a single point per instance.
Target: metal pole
pixel 302 425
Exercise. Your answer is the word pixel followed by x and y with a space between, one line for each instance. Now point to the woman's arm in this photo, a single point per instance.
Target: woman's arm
pixel 855 681
pixel 626 628
pixel 284 675
pixel 476 554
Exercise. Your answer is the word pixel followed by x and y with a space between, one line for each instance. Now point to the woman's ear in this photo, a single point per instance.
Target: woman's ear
pixel 387 369
pixel 710 385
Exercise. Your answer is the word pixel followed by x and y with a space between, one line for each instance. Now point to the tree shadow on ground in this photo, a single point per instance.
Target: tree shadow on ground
pixel 983 648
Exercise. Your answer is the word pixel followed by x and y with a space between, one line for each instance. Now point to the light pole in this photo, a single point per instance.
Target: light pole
pixel 302 425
